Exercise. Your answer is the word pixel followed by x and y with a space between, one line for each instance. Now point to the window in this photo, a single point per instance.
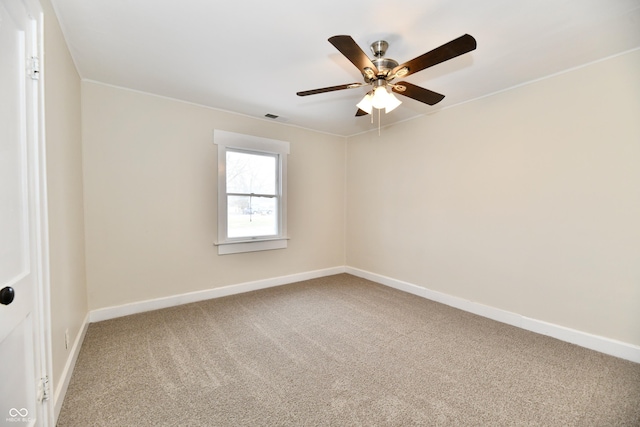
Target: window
pixel 252 173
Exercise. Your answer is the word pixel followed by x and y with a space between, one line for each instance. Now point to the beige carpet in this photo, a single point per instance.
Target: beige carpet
pixel 339 351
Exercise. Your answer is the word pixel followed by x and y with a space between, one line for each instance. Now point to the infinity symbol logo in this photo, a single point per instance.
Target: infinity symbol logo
pixel 13 412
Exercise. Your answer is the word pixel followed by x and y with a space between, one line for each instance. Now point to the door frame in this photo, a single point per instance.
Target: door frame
pixel 37 165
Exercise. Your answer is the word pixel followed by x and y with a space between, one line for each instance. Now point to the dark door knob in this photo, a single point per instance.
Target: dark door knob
pixel 7 295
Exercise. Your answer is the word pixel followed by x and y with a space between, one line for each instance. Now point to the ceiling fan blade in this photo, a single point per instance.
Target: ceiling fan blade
pixel 418 93
pixel 329 89
pixel 361 113
pixel 440 54
pixel 350 49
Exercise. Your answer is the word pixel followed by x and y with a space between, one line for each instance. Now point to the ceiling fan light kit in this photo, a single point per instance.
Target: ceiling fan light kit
pixel 380 71
pixel 379 98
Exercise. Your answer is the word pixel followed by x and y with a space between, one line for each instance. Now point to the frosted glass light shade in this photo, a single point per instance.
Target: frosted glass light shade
pixel 392 103
pixel 366 105
pixel 380 98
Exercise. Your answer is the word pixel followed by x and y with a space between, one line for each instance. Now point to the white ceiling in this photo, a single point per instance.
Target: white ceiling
pixel 251 57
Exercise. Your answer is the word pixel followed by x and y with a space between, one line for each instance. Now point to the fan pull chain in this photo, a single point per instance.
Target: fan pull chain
pixel 379 114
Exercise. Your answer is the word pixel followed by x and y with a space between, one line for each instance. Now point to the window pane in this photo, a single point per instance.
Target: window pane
pixel 251 216
pixel 251 173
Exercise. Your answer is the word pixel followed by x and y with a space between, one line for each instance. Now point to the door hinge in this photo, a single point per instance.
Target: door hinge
pixel 43 389
pixel 34 68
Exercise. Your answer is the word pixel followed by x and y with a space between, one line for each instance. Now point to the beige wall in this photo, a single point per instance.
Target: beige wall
pixel 150 198
pixel 64 185
pixel 527 200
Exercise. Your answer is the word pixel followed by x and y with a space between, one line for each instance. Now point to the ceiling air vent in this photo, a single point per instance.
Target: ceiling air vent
pixel 271 116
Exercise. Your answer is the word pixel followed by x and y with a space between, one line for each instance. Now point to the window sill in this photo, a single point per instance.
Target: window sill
pixel 251 245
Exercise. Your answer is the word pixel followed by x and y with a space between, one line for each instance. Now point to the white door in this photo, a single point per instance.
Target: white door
pixel 21 207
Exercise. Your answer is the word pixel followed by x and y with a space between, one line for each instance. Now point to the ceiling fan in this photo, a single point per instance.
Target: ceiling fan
pixel 380 72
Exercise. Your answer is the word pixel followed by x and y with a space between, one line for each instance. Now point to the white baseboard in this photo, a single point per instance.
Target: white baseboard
pixel 155 304
pixel 65 378
pixel 594 342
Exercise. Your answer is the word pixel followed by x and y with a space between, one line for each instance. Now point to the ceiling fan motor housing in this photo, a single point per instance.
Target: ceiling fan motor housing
pixel 384 65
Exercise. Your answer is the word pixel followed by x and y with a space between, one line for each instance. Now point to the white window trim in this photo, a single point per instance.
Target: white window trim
pixel 232 140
